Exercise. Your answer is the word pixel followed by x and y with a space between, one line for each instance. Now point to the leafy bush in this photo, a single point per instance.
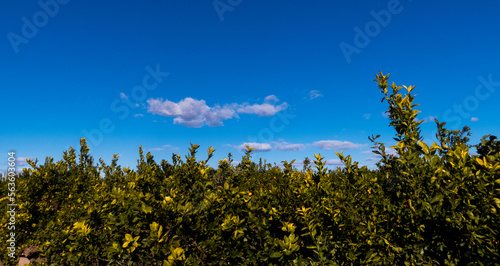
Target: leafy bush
pixel 429 204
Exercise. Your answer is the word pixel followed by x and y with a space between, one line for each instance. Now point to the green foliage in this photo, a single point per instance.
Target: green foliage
pixel 431 204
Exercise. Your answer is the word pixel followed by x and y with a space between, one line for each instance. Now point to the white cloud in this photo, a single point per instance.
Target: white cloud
pixel 271 99
pixel 138 115
pixel 385 114
pixel 265 109
pixel 164 147
pixel 196 113
pixel 284 146
pixel 301 162
pixel 474 119
pixel 21 161
pixel 336 145
pixel 313 94
pixel 391 151
pixel 334 162
pixel 123 95
pixel 170 147
pixel 190 112
pixel 429 118
pixel 256 146
pixel 367 116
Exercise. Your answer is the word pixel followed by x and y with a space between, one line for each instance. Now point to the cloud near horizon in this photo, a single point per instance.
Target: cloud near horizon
pixel 190 112
pixel 162 148
pixel 21 161
pixel 336 145
pixel 334 162
pixel 429 119
pixel 256 146
pixel 285 146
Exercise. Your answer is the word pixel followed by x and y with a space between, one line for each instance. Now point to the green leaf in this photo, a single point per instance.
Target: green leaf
pixel 424 146
pixel 146 209
pixel 497 202
pixel 276 255
pixel 437 198
pixel 434 146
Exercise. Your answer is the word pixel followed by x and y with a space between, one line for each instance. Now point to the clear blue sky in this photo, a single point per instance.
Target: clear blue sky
pixel 293 78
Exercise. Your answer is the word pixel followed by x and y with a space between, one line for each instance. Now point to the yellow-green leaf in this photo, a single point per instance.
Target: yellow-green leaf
pixel 434 146
pixel 424 146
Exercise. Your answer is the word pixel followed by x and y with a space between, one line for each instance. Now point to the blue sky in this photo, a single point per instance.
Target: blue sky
pixel 292 78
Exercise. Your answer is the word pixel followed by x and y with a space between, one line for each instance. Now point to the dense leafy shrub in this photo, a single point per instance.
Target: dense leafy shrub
pixel 430 204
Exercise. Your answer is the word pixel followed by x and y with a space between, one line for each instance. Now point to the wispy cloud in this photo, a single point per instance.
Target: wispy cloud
pixel 285 146
pixel 271 99
pixel 367 116
pixel 429 118
pixel 391 151
pixel 21 161
pixel 138 115
pixel 268 108
pixel 334 162
pixel 196 113
pixel 298 162
pixel 164 147
pixel 474 119
pixel 313 94
pixel 256 146
pixel 385 114
pixel 123 95
pixel 336 145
